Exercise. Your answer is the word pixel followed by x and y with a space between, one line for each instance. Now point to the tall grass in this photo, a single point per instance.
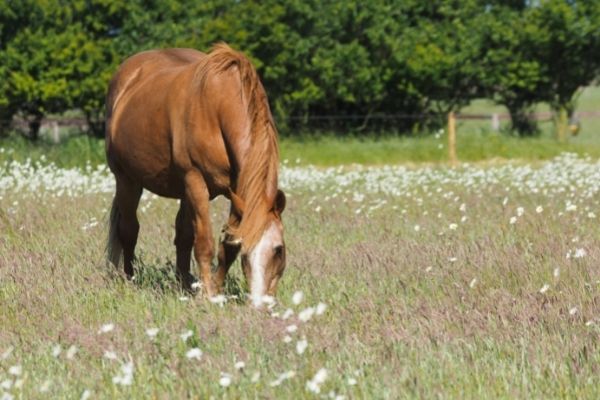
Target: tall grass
pixel 463 283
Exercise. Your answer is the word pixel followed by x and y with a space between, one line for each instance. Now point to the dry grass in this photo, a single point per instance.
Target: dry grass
pixel 433 312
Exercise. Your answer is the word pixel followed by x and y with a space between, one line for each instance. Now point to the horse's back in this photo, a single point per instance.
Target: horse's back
pixel 137 68
pixel 138 130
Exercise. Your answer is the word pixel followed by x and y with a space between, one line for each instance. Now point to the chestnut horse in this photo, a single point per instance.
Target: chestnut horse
pixel 193 126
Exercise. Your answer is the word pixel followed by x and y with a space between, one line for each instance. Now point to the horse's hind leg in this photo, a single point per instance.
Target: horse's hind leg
pixel 127 200
pixel 184 241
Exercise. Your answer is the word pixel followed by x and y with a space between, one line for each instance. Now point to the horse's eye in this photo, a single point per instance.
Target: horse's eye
pixel 278 250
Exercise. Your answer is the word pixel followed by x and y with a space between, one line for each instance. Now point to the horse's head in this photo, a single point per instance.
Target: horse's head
pixel 263 261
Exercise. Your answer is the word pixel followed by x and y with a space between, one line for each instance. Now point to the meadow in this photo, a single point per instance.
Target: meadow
pixel 478 281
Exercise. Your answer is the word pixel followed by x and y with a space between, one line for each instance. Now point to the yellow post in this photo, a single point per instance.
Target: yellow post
pixel 452 138
pixel 562 124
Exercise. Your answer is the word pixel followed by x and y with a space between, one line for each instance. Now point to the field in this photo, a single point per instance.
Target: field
pixel 472 282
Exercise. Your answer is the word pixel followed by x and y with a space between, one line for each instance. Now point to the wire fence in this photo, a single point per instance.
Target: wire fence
pixel 537 116
pixel 398 122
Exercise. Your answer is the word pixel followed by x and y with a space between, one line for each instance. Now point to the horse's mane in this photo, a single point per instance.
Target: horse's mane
pixel 257 180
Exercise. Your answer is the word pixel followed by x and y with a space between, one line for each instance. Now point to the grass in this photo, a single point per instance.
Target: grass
pixel 417 306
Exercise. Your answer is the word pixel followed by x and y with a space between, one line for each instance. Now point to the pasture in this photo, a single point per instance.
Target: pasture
pixel 478 281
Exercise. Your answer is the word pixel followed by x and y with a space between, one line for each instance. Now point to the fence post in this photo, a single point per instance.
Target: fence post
pixel 495 122
pixel 452 138
pixel 55 132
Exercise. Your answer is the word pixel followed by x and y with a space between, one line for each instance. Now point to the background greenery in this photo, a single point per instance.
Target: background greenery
pixel 357 61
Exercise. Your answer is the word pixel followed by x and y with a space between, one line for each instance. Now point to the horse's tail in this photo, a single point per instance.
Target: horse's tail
pixel 114 249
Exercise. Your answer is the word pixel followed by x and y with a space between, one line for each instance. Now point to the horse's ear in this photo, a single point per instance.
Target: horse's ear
pixel 279 205
pixel 237 204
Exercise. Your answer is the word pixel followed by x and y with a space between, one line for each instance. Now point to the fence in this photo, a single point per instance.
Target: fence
pixel 52 126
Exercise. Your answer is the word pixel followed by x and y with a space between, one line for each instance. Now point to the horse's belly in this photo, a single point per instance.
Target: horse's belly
pixel 163 183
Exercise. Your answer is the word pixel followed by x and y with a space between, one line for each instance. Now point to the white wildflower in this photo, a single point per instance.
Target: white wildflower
pixel 240 365
pixel 186 335
pixel 106 328
pixel 282 377
pixel 125 378
pixel 314 385
pixel 573 311
pixel 544 288
pixel 110 355
pixel 539 209
pixel 56 350
pixel 15 370
pixel 218 299
pixel 321 307
pixel 306 314
pixel 301 345
pixel 291 328
pixel 580 253
pixel 269 301
pixel 194 353
pixel 297 297
pixel 287 313
pixel 152 332
pixel 71 351
pixel 225 379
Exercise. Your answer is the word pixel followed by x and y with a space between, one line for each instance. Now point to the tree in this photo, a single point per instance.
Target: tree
pixel 441 48
pixel 58 61
pixel 511 73
pixel 568 50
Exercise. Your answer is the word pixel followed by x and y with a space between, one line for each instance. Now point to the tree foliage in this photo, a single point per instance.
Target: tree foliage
pixel 341 58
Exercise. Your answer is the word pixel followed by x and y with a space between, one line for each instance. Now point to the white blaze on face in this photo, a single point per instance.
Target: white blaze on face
pixel 259 257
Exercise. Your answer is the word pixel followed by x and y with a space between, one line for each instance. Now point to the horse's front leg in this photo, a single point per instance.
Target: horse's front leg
pixel 198 196
pixel 228 252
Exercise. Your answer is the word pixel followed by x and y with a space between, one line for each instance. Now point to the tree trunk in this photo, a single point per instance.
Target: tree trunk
pixel 561 127
pixel 95 124
pixel 34 126
pixel 6 116
pixel 521 121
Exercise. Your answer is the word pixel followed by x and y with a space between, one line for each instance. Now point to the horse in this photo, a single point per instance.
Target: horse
pixel 192 126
